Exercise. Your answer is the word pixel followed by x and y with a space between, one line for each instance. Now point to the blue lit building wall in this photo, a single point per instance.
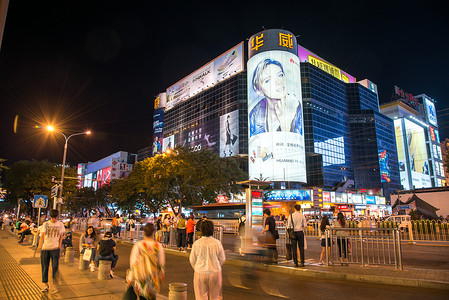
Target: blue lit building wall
pixel 326 123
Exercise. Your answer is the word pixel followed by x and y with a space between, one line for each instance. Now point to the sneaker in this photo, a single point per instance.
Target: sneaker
pixel 45 289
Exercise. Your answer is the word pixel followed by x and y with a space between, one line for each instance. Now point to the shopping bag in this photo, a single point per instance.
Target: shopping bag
pixel 87 254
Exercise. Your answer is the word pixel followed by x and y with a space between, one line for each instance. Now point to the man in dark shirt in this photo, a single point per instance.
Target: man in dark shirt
pixel 106 251
pixel 271 235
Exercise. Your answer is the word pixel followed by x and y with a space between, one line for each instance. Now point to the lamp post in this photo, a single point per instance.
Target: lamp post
pixel 51 128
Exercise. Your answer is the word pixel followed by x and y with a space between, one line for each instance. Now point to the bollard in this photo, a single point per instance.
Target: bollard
pixel 82 263
pixel 69 254
pixel 104 268
pixel 178 291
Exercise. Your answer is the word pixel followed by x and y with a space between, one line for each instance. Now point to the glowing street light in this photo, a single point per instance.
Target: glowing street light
pixel 66 138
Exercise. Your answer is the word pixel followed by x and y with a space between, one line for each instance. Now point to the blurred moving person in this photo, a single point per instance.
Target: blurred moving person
pixel 271 235
pixel 207 257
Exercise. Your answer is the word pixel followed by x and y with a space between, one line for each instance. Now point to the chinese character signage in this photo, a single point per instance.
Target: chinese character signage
pixel 275 116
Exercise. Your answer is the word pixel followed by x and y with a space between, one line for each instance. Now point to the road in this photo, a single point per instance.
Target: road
pixel 240 283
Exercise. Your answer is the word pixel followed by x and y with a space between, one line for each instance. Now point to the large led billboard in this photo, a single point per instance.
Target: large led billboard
pixel 419 164
pixel 158 126
pixel 229 134
pixel 384 167
pixel 226 65
pixel 402 157
pixel 275 117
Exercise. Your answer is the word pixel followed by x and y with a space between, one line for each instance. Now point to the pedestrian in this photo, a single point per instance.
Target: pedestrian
pixel 67 238
pixel 132 227
pixel 198 226
pixel 50 242
pixel 106 249
pixel 190 229
pixel 342 241
pixel 241 231
pixel 24 230
pixel 297 221
pixel 147 267
pixel 181 226
pixel 114 226
pixel 271 235
pixel 166 229
pixel 323 227
pixel 158 229
pixel 207 257
pixel 88 242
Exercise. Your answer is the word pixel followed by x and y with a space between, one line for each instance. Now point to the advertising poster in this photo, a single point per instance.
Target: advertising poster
pixel 227 64
pixel 200 136
pixel 168 143
pixel 403 165
pixel 289 195
pixel 158 125
pixel 384 166
pixel 106 175
pixel 275 117
pixel 419 165
pixel 229 134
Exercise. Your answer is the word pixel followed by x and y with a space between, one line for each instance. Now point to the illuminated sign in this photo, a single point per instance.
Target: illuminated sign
pixel 342 206
pixel 317 198
pixel 275 118
pixel 256 207
pixel 384 167
pixel 437 136
pixel 158 126
pixel 370 199
pixel 289 195
pixel 326 197
pixel 307 56
pixel 221 68
pixel 399 94
pixel 431 112
pixel 432 134
pixel 156 102
pixel 229 134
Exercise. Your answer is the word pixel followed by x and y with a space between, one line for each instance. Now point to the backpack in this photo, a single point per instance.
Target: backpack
pixel 146 275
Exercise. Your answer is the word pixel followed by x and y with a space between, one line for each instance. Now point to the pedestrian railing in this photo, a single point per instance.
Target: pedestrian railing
pixel 229 226
pixel 364 246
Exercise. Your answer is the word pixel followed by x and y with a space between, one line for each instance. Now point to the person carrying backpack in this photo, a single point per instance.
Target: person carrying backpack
pixel 147 267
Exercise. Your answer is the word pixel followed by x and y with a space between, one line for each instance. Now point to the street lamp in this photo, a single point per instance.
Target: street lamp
pixel 51 128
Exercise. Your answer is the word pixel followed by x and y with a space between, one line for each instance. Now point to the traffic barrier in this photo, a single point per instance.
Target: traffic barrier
pixel 69 254
pixel 104 269
pixel 177 291
pixel 365 246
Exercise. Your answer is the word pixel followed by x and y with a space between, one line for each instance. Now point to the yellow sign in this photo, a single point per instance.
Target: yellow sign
pixel 325 66
pixel 156 103
pixel 286 40
pixel 257 42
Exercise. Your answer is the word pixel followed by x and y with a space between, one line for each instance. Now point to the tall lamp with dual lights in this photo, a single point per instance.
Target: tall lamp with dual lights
pixel 66 138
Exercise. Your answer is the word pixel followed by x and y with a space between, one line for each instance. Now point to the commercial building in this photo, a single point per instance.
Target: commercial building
pixel 417 139
pixel 114 166
pixel 292 117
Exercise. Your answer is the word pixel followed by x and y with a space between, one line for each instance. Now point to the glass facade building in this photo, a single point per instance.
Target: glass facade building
pixel 346 138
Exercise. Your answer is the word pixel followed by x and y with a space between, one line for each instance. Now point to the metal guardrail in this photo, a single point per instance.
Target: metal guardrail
pixel 365 246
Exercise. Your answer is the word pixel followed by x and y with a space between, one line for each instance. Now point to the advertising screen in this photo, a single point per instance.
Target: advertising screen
pixel 326 197
pixel 168 143
pixel 158 125
pixel 229 134
pixel 437 136
pixel 402 160
pixel 357 198
pixel 275 117
pixel 432 134
pixel 297 195
pixel 222 67
pixel 307 56
pixel 383 166
pixel 431 112
pixel 370 199
pixel 419 165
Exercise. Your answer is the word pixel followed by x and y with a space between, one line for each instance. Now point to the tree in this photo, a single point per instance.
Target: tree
pixel 2 167
pixel 24 179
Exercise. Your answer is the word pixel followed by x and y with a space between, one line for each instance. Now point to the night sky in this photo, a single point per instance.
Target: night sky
pixel 98 65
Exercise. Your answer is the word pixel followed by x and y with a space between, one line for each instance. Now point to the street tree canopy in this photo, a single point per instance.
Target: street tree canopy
pixel 24 179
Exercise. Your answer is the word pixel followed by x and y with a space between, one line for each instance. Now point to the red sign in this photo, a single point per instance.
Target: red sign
pixel 432 134
pixel 222 199
pixel 256 194
pixel 342 207
pixel 406 96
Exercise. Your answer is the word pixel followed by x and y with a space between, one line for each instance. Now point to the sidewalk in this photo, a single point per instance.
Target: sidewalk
pixel 20 275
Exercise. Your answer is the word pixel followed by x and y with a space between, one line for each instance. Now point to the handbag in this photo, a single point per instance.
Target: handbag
pixel 87 254
pixel 130 294
pixel 291 231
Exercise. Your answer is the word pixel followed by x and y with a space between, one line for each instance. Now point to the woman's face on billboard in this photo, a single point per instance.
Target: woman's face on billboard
pixel 272 82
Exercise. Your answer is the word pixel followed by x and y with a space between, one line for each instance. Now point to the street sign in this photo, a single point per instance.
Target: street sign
pixel 54 190
pixel 40 201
